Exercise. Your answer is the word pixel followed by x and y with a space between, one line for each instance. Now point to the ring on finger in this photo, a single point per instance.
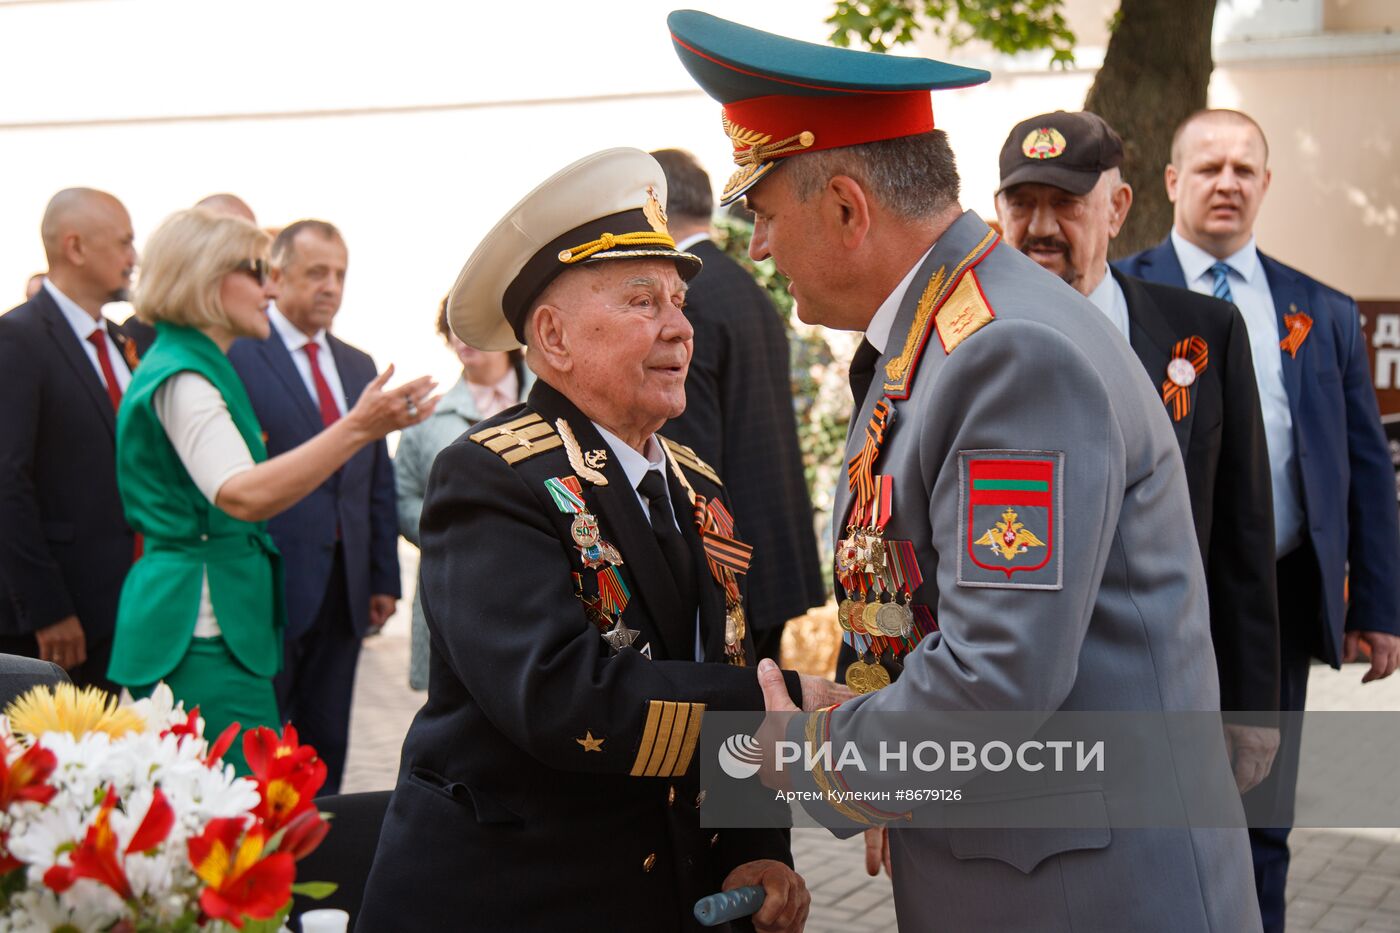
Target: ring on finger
pixel 410 406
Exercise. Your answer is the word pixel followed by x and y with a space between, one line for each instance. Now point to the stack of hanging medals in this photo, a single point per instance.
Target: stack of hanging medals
pixel 878 577
pixel 604 610
pixel 726 557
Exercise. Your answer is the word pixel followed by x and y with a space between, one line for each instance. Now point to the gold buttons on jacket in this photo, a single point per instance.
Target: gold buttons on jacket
pixel 699 799
pixel 671 796
pixel 649 862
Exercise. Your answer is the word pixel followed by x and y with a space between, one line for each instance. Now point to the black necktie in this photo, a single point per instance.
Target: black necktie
pixel 668 537
pixel 863 370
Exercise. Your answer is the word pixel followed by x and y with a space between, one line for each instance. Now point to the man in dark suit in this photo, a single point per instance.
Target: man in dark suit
pixel 1335 520
pixel 580 634
pixel 66 547
pixel 339 544
pixel 739 413
pixel 1061 205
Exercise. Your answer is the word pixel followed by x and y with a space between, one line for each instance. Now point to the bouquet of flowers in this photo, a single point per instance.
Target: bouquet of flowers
pixel 126 819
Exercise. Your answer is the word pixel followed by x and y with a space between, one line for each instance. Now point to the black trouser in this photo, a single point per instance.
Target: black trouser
pixel 1300 640
pixel 91 673
pixel 317 682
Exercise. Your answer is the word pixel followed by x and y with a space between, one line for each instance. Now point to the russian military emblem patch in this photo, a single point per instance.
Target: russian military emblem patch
pixel 1010 513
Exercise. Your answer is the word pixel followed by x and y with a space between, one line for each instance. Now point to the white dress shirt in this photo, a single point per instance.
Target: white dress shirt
pixel 83 325
pixel 296 341
pixel 1108 297
pixel 1249 287
pixel 878 330
pixel 635 465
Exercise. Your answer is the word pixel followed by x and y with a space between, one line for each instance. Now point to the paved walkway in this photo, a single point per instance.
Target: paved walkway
pixel 1341 880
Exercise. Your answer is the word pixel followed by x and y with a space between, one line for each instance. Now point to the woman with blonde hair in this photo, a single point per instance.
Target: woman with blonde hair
pixel 202 609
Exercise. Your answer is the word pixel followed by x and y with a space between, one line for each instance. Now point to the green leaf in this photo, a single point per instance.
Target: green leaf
pixel 1008 26
pixel 316 890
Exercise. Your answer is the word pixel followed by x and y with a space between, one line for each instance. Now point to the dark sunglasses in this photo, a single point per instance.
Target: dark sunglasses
pixel 257 268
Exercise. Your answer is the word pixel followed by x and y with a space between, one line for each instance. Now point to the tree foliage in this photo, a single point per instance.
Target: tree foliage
pixel 1009 26
pixel 1155 73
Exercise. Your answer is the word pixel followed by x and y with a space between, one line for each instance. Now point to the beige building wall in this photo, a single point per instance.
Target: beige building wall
pixel 1333 207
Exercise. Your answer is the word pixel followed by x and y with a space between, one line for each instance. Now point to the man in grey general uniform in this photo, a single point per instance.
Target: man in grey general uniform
pixel 1033 471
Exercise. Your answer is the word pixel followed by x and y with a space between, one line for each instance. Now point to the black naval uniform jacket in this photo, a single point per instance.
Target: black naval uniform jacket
pixel 1227 474
pixel 549 783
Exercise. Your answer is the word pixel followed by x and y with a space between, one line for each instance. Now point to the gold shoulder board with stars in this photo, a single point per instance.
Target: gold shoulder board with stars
pixel 668 739
pixel 691 461
pixel 520 439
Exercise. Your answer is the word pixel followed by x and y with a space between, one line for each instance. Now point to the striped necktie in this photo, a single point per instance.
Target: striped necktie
pixel 1221 289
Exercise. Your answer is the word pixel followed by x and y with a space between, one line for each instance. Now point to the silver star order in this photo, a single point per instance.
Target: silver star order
pixel 620 636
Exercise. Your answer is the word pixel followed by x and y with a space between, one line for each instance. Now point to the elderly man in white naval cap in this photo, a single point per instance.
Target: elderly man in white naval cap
pixel 582 582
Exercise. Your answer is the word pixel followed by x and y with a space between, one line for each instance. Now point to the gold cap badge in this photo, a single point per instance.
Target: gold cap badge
pixel 1044 142
pixel 655 212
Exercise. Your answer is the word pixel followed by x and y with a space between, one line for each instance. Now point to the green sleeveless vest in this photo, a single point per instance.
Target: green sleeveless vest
pixel 185 535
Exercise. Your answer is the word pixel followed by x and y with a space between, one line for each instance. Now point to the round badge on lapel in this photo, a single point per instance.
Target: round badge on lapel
pixel 1181 372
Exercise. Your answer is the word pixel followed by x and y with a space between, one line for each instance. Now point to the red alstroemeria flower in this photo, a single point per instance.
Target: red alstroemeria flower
pixel 155 825
pixel 95 857
pixel 304 832
pixel 288 774
pixel 242 882
pixel 24 780
pixel 189 727
pixel 221 745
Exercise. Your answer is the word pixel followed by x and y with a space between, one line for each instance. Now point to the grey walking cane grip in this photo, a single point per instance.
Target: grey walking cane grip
pixel 729 905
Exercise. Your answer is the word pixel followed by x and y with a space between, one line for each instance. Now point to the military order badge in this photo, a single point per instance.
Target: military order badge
pixel 1011 511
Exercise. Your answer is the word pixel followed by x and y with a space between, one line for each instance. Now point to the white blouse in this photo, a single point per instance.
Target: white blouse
pixel 196 419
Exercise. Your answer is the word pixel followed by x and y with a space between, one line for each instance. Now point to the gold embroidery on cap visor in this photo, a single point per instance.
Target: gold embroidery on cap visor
pixel 754 152
pixel 1044 142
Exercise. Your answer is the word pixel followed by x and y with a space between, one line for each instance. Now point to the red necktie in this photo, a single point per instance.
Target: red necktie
pixel 98 339
pixel 330 412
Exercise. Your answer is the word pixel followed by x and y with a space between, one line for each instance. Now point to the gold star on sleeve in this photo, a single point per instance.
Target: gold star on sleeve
pixel 591 744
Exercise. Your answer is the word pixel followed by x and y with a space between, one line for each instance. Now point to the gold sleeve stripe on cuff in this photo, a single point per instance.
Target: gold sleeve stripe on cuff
pixel 679 730
pixel 648 739
pixel 692 736
pixel 668 739
pixel 663 739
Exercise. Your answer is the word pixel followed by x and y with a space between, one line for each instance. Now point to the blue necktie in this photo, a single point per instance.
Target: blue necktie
pixel 1222 282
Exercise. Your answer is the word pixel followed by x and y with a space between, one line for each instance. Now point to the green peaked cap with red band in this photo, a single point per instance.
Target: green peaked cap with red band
pixel 783 97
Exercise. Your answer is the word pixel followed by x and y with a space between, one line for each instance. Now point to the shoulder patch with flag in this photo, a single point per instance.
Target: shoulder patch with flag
pixel 1010 516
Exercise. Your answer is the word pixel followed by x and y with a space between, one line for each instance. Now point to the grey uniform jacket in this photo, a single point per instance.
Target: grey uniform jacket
pixel 1108 613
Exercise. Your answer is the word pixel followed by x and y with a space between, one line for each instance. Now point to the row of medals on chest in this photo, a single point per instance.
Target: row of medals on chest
pixel 596 553
pixel 862 554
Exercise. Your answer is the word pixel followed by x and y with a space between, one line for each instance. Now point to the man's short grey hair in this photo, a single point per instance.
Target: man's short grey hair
pixel 284 247
pixel 913 176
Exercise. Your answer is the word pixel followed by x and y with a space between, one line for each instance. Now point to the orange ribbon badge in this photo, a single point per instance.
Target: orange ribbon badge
pixel 1299 325
pixel 1189 359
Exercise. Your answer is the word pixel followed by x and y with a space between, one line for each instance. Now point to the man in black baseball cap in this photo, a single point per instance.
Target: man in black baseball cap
pixel 1062 193
pixel 1061 200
